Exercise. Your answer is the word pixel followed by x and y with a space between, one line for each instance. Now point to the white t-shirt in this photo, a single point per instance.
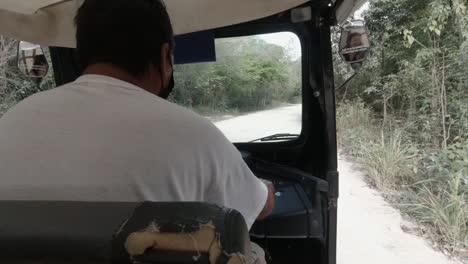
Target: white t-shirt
pixel 103 139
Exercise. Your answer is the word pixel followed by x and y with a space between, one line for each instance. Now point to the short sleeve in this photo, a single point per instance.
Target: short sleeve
pixel 237 187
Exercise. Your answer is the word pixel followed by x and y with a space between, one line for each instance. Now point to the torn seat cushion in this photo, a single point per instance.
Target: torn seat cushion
pixel 186 232
pixel 104 232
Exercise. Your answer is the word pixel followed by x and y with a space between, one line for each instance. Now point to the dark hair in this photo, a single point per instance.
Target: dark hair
pixel 126 33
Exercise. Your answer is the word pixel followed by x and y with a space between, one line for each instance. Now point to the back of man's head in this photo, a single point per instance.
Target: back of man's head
pixel 128 34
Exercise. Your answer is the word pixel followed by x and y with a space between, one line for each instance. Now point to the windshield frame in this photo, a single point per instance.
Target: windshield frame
pixel 261 27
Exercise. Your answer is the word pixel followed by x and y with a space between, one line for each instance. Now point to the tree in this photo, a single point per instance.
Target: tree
pixel 417 69
pixel 249 74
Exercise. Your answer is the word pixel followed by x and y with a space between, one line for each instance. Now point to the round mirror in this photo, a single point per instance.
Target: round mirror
pixel 354 42
pixel 32 61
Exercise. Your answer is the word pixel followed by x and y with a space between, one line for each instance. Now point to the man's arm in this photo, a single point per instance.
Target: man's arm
pixel 233 184
pixel 270 202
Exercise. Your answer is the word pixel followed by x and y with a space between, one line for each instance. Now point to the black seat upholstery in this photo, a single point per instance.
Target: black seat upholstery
pixel 103 232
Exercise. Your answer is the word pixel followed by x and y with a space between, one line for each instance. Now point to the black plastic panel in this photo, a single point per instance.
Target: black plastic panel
pixel 298 211
pixel 288 219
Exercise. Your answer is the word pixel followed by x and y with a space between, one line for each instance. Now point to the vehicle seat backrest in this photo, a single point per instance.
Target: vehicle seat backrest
pixel 106 232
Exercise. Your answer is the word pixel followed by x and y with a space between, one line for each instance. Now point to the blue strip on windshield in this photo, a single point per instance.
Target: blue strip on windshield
pixel 195 47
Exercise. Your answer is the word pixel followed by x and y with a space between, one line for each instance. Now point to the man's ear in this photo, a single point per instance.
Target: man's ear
pixel 166 58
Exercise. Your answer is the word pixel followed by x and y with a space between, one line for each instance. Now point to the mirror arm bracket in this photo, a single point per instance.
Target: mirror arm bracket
pixel 347 80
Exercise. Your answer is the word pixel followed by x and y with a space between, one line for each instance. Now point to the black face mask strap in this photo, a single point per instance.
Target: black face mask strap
pixel 164 92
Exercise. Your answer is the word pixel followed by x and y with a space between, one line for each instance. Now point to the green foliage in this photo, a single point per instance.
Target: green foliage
pixel 412 101
pixel 431 187
pixel 14 86
pixel 445 164
pixel 388 158
pixel 390 162
pixel 440 199
pixel 418 68
pixel 356 126
pixel 249 74
pixel 443 210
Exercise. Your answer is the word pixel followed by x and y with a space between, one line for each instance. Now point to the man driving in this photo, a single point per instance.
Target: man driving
pixel 111 135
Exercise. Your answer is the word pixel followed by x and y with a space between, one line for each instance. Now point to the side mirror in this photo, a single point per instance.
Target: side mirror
pixel 354 43
pixel 32 61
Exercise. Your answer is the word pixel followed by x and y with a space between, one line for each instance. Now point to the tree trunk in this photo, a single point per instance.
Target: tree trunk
pixel 435 97
pixel 443 105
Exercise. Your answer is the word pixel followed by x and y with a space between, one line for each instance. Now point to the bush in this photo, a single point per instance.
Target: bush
pixel 442 206
pixel 432 187
pixel 355 127
pixel 385 157
pixel 441 201
pixel 390 162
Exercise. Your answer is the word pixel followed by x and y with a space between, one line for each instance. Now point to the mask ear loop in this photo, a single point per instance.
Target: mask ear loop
pixel 161 75
pixel 164 92
pixel 170 58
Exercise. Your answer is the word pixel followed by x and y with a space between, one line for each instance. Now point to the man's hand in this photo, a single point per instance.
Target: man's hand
pixel 270 203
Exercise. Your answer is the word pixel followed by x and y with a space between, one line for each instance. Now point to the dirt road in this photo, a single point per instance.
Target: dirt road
pixel 369 230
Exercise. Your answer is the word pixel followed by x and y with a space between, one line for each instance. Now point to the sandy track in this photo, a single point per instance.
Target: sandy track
pixel 369 229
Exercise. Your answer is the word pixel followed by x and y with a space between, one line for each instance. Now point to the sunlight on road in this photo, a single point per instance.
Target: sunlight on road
pixel 264 123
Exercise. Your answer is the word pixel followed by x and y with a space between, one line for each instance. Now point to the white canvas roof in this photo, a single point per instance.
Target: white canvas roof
pixel 50 22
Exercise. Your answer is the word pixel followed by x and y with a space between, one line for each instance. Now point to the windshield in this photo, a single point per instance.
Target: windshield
pixel 253 89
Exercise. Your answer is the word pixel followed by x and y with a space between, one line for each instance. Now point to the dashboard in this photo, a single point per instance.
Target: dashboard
pixel 299 202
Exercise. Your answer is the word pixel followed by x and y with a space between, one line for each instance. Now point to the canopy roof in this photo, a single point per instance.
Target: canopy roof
pixel 50 22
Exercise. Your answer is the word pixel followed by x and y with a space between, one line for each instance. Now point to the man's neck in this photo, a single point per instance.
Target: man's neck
pixel 111 70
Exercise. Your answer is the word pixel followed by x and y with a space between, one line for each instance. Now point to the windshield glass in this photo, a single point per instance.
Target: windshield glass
pixel 253 89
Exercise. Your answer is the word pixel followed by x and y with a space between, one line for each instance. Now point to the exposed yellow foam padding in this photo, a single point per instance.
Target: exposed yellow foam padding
pixel 204 240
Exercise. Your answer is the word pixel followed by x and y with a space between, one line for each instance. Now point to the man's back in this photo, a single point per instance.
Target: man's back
pixel 102 139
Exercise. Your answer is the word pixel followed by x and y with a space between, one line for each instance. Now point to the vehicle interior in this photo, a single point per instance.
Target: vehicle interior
pixel 302 167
